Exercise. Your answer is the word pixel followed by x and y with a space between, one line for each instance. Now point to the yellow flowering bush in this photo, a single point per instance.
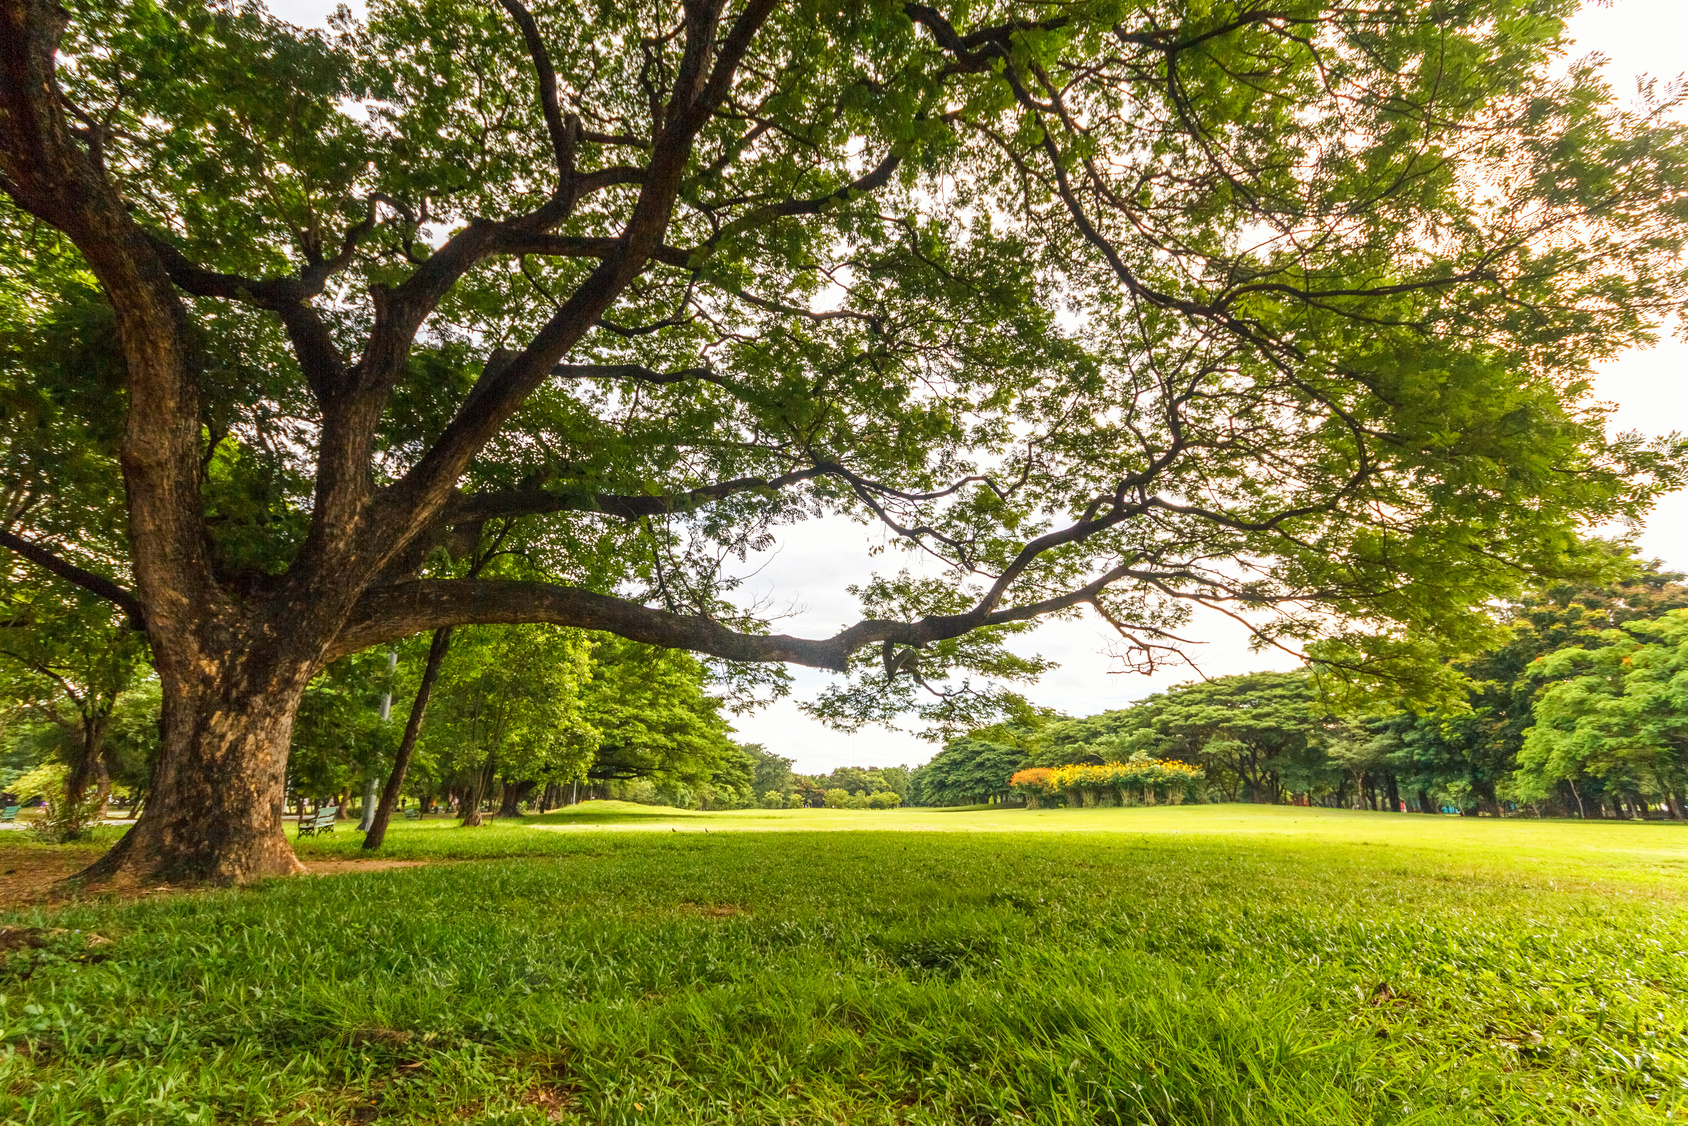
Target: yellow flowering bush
pixel 1142 779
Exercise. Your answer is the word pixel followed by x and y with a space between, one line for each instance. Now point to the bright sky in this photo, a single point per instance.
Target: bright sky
pixel 816 562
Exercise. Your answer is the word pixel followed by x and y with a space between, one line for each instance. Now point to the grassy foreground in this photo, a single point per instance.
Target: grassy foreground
pixel 1207 964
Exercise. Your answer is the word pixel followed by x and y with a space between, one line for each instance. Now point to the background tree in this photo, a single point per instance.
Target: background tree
pixel 1048 289
pixel 772 775
pixel 656 716
pixel 67 659
pixel 967 771
pixel 510 710
pixel 1246 731
pixel 1476 747
pixel 1612 722
pixel 338 738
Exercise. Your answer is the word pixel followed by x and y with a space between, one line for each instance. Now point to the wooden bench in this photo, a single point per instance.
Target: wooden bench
pixel 322 821
pixel 413 814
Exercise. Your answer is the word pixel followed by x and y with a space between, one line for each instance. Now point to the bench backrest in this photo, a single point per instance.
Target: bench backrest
pixel 326 815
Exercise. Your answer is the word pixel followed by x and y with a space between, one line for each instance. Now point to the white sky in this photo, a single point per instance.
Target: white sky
pixel 816 562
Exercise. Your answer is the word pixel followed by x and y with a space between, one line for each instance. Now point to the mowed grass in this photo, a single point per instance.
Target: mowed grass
pixel 1199 964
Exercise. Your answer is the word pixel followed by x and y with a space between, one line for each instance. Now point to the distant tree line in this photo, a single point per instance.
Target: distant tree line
pixel 1581 711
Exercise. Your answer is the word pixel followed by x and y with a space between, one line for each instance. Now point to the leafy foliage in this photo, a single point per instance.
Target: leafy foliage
pixel 1616 714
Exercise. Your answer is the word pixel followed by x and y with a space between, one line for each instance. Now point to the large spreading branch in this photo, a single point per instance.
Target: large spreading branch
pixel 477 507
pixel 398 611
pixel 120 596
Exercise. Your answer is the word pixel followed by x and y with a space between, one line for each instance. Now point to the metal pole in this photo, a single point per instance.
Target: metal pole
pixel 372 788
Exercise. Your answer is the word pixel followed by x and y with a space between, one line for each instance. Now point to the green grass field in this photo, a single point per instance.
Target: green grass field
pixel 1198 964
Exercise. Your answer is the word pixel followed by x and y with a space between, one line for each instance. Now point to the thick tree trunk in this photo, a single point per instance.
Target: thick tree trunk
pixel 515 793
pixel 220 788
pixel 407 745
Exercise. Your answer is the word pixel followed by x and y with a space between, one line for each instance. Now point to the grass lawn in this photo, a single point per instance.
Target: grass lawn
pixel 1200 964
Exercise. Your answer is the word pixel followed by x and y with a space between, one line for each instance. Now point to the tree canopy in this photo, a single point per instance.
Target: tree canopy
pixel 1614 714
pixel 1131 305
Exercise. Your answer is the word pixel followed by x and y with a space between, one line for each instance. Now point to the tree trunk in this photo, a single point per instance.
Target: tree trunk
pixel 366 810
pixel 407 745
pixel 515 793
pixel 1424 804
pixel 89 770
pixel 219 790
pixel 89 767
pixel 481 786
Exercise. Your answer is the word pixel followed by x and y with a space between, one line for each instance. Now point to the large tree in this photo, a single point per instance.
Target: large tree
pixel 1127 304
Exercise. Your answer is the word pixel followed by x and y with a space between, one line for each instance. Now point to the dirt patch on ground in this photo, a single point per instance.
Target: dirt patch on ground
pixel 29 875
pixel 37 876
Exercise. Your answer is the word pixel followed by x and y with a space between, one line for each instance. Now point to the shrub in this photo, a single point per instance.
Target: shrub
pixel 795 801
pixel 885 799
pixel 1141 779
pixel 773 799
pixel 858 800
pixel 45 781
pixel 1033 785
pixel 836 798
pixel 60 822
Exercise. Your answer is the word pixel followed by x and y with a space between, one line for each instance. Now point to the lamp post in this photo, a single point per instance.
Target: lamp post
pixel 372 787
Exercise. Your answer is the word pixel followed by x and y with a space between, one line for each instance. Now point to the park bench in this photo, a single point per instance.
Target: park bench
pixel 414 814
pixel 322 821
pixel 10 813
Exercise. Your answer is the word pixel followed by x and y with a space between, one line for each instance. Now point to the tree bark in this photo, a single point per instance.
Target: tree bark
pixel 437 650
pixel 219 791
